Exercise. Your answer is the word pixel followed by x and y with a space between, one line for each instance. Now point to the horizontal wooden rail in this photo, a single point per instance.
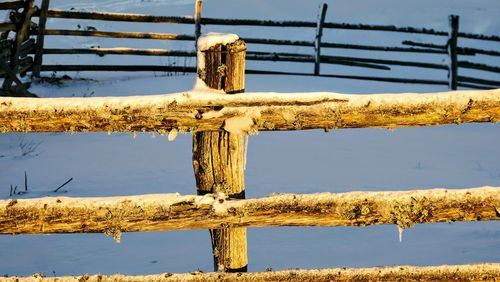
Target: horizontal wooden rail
pixel 277 42
pixel 356 77
pixel 491 83
pixel 479 36
pixel 476 66
pixel 460 50
pixel 120 51
pixel 335 59
pixel 259 56
pixel 249 112
pixel 6 26
pixel 214 21
pixel 387 62
pixel 468 272
pixel 219 21
pixel 310 59
pixel 154 68
pixel 381 48
pixel 11 5
pixel 111 34
pixel 113 215
pixel 118 17
pixel 474 86
pixel 193 69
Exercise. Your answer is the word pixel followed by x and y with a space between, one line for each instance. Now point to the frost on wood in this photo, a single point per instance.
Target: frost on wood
pixel 199 111
pixel 174 212
pixel 469 272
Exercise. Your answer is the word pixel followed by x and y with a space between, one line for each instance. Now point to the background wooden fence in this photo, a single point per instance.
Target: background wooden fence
pixel 218 123
pixel 452 49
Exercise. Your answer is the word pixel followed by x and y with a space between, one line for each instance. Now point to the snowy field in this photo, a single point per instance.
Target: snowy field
pixel 296 162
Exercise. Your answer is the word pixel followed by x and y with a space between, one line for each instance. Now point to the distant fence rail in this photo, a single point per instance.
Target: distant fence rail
pixel 219 123
pixel 452 49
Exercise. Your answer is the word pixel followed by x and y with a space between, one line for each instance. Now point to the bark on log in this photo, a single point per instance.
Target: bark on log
pixel 249 112
pixel 218 157
pixel 469 272
pixel 113 215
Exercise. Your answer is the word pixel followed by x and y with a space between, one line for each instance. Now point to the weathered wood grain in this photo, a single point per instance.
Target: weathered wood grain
pixel 469 272
pixel 193 112
pixel 218 157
pixel 114 215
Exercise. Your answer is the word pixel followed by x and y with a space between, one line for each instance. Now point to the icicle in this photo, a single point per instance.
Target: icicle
pixel 400 229
pixel 172 135
pixel 134 134
pixel 245 153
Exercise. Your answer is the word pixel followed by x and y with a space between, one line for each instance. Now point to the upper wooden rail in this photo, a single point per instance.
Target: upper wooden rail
pixel 217 21
pixel 469 272
pixel 113 215
pixel 246 113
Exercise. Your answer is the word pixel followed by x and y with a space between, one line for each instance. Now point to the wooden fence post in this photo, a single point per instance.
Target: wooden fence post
pixel 197 19
pixel 40 38
pixel 22 32
pixel 319 34
pixel 452 53
pixel 218 157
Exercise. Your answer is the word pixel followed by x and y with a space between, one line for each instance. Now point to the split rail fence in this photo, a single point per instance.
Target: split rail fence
pixel 219 123
pixel 451 49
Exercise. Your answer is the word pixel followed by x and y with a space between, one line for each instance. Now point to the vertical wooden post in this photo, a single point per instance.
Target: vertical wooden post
pixel 37 64
pixel 197 19
pixel 22 33
pixel 319 34
pixel 218 157
pixel 452 53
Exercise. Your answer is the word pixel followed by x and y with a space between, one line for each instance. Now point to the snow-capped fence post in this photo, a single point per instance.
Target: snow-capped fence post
pixel 197 19
pixel 218 156
pixel 40 38
pixel 319 35
pixel 452 53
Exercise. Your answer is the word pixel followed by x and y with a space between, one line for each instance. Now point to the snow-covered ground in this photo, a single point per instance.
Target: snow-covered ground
pixel 296 162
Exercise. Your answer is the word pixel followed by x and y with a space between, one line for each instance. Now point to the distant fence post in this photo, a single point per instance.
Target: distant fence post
pixel 452 52
pixel 197 19
pixel 218 156
pixel 22 33
pixel 40 38
pixel 319 34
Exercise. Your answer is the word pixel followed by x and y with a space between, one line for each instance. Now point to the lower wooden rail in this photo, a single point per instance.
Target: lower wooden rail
pixel 114 215
pixel 469 272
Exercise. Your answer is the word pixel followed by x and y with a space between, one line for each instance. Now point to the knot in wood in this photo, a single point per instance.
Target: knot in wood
pixel 221 70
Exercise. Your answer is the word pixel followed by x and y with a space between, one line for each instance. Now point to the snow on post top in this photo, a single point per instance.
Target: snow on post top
pixel 213 38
